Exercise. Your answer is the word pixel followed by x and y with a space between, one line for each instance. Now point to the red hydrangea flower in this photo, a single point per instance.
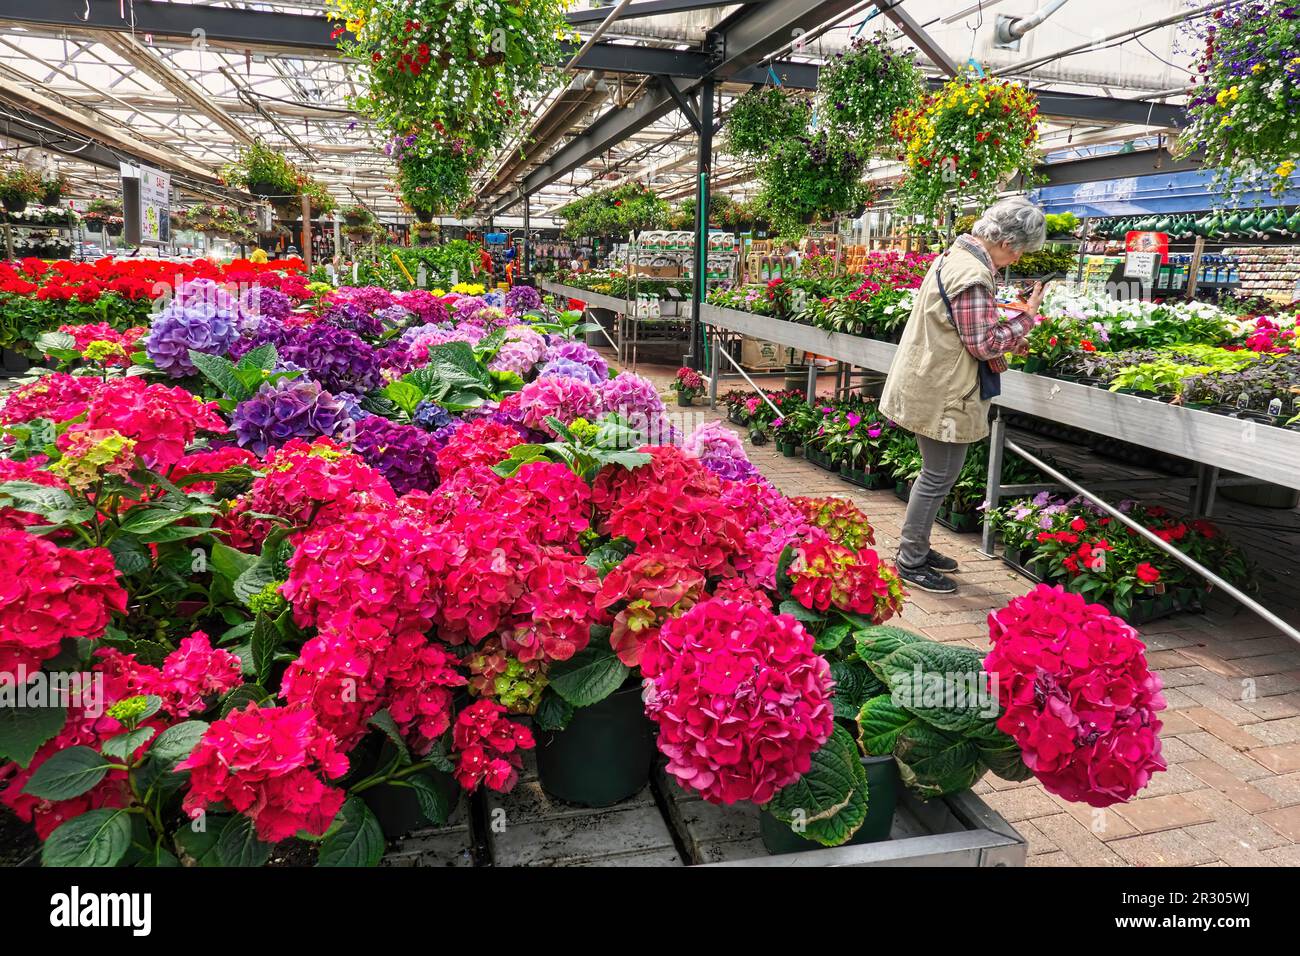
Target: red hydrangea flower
pixel 672 505
pixel 195 673
pixel 547 499
pixel 741 699
pixel 843 521
pixel 49 593
pixel 58 397
pixel 319 478
pixel 824 575
pixel 555 613
pixel 271 764
pixel 375 562
pixel 488 746
pixel 1079 698
pixel 480 442
pixel 162 420
pixel 771 521
pixel 651 588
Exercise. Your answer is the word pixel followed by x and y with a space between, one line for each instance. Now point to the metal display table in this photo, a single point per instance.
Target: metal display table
pixel 1258 451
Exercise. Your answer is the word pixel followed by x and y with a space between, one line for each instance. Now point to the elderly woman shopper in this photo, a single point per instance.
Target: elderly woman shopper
pixel 946 369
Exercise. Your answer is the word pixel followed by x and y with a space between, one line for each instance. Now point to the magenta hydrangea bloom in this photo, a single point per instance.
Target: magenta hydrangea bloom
pixel 565 398
pixel 426 306
pixel 719 449
pixel 289 408
pixel 404 454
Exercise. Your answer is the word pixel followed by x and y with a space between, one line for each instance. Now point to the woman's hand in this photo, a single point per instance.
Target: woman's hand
pixel 1035 299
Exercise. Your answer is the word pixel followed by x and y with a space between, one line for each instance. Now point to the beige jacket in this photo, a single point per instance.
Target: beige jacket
pixel 933 387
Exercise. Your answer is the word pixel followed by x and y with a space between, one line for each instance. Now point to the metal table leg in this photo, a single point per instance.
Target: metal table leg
pixel 812 380
pixel 993 490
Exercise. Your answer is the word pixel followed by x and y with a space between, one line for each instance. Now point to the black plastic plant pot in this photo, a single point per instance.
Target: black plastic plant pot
pixel 15 205
pixel 94 226
pixel 882 801
pixel 604 756
pixel 398 808
pixel 113 228
pixel 684 400
pixel 13 363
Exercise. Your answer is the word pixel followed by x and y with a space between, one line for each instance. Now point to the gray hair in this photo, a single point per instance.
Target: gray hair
pixel 1015 221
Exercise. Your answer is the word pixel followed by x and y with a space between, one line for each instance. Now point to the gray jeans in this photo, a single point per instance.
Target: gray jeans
pixel 943 461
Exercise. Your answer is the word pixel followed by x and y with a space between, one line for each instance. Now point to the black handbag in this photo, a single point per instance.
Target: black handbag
pixel 990 381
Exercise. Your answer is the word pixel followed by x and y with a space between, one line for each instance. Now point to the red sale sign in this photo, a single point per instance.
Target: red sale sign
pixel 1148 242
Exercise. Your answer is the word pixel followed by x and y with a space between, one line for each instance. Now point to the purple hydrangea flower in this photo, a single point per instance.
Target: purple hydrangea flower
pixel 719 450
pixel 567 368
pixel 351 316
pixel 495 298
pixel 202 317
pixel 565 398
pixel 289 408
pixel 339 359
pixel 404 454
pixel 260 302
pixel 522 298
pixel 395 316
pixel 579 352
pixel 413 333
pixel 430 416
pixel 368 298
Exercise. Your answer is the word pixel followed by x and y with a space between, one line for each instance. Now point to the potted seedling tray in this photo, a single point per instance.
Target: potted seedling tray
pixel 665 825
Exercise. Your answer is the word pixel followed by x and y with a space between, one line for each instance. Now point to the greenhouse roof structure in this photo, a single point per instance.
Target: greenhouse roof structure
pixel 87 84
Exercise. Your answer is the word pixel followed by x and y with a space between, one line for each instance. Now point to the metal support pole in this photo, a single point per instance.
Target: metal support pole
pixel 1203 493
pixel 993 490
pixel 306 231
pixel 526 268
pixel 703 164
pixel 715 367
pixel 812 380
pixel 1117 515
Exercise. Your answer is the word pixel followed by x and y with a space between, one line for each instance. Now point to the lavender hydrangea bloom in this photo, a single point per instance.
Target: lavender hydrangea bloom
pixel 413 333
pixel 202 317
pixel 468 306
pixel 567 368
pixel 522 298
pixel 719 450
pixel 289 408
pixel 404 454
pixel 339 359
pixel 430 416
pixel 260 302
pixel 522 349
pixel 579 352
pixel 352 406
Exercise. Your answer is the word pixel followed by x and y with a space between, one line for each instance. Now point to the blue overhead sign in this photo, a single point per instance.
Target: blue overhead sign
pixel 1189 191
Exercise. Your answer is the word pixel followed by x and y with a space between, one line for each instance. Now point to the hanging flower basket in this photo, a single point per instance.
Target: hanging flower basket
pixel 963 143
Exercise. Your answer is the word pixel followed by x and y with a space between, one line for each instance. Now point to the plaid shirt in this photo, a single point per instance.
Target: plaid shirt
pixel 985 333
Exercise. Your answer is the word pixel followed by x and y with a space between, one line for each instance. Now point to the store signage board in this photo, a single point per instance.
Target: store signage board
pixel 1157 242
pixel 155 206
pixel 1141 265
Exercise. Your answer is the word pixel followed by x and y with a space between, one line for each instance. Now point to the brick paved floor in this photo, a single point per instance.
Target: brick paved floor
pixel 1231 795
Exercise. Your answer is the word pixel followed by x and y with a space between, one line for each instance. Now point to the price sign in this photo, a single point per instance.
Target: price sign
pixel 155 206
pixel 1141 265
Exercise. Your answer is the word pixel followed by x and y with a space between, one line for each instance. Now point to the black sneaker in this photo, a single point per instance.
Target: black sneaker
pixel 940 562
pixel 926 579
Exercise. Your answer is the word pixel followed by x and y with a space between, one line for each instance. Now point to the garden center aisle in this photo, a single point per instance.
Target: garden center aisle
pixel 1231 795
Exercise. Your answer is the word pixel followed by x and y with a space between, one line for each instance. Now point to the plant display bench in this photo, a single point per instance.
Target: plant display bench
pixel 666 826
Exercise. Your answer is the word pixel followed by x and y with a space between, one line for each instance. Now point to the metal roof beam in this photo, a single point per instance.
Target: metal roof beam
pixel 649 8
